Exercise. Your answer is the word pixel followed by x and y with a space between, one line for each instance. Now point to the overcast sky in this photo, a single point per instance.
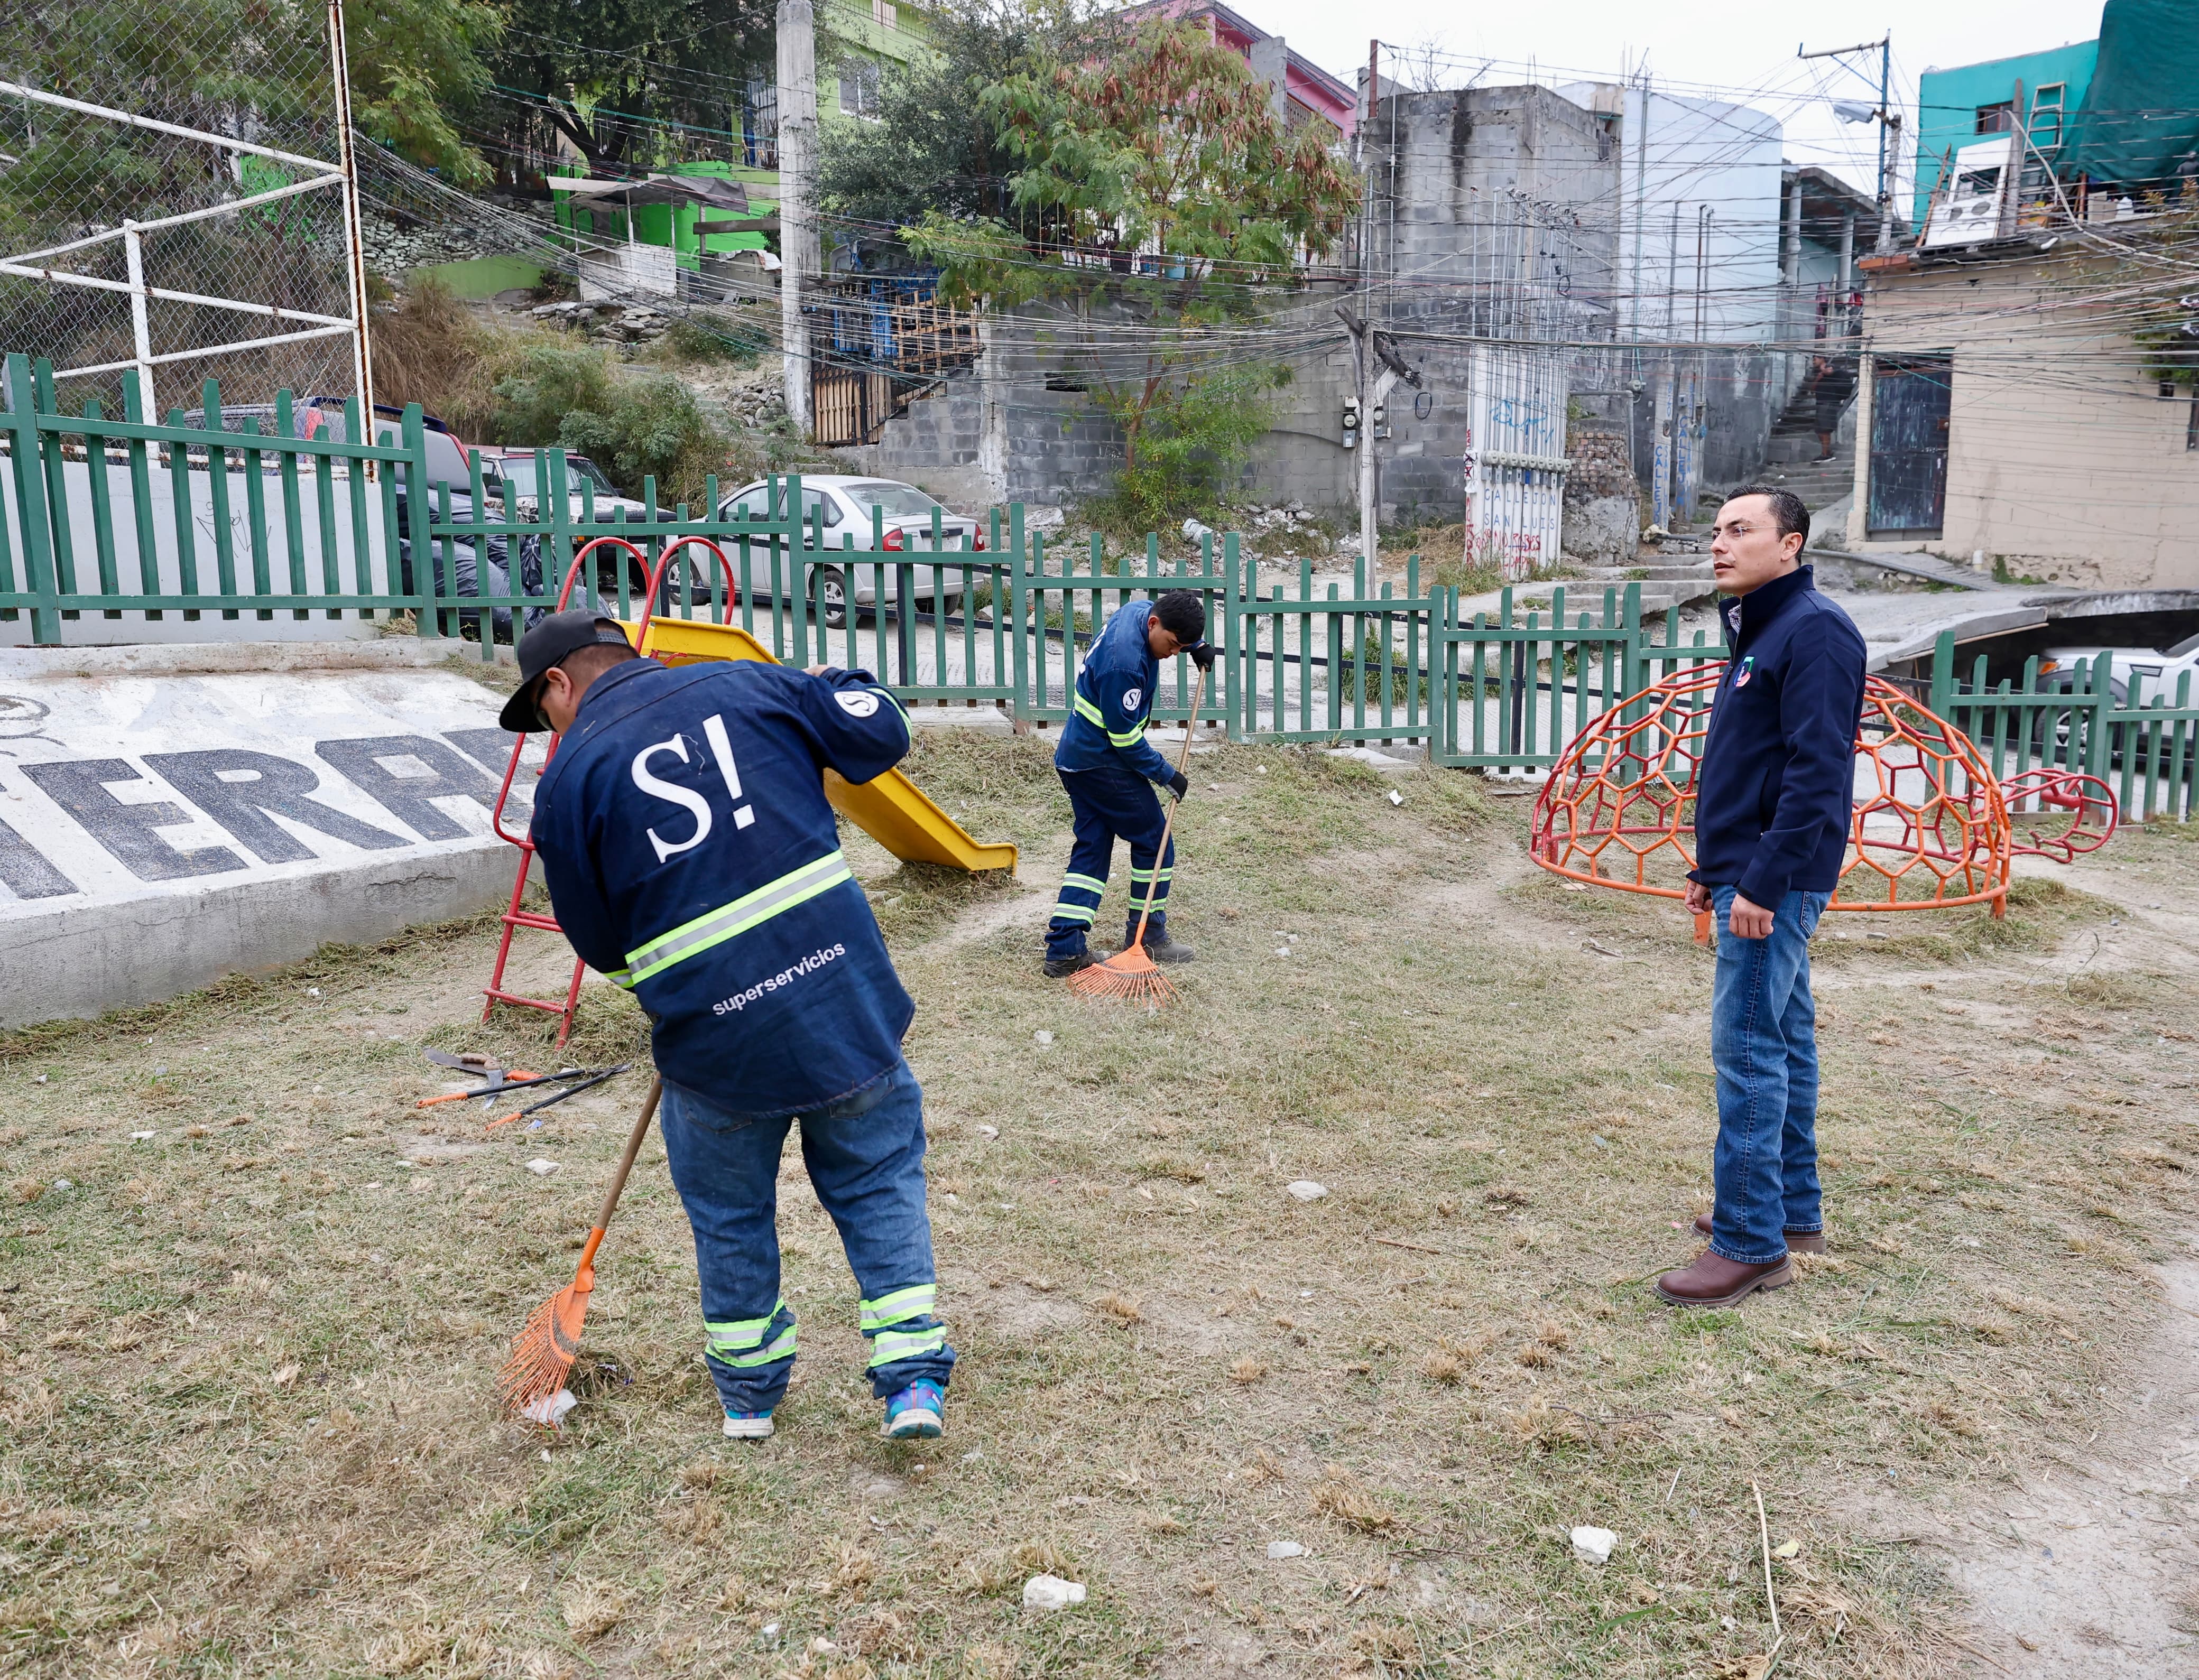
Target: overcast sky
pixel 1749 49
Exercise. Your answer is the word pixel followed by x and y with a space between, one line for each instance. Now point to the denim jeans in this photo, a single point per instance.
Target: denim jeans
pixel 1764 1044
pixel 864 1156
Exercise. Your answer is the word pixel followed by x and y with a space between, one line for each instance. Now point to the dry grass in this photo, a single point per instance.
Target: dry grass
pixel 246 1414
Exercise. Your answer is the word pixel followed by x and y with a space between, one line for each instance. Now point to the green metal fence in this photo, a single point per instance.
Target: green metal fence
pixel 281 523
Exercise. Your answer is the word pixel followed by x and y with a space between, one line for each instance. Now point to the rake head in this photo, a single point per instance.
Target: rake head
pixel 1130 976
pixel 543 1352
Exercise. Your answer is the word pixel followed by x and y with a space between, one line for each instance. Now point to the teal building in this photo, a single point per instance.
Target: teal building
pixel 1957 106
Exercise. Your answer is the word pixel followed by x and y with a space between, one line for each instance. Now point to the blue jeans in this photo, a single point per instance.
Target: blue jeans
pixel 1763 1044
pixel 865 1155
pixel 1108 800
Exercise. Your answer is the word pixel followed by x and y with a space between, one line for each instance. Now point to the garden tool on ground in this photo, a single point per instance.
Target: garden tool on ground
pixel 1131 974
pixel 543 1350
pixel 594 1079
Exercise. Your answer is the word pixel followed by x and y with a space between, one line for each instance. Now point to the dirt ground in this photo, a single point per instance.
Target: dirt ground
pixel 247 1358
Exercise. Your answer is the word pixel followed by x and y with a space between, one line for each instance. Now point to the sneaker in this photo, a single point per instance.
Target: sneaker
pixel 1058 968
pixel 749 1426
pixel 917 1413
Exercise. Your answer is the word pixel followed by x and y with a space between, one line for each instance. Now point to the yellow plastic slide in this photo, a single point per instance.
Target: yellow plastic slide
pixel 893 810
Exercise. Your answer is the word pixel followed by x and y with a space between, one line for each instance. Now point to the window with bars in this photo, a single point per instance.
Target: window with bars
pixel 861 85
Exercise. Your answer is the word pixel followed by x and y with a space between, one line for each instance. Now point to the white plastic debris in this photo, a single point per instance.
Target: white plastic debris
pixel 312 992
pixel 1263 769
pixel 1593 1545
pixel 541 1168
pixel 1041 1038
pixel 1282 950
pixel 988 1131
pixel 1050 1592
pixel 1279 1550
pixel 1194 529
pixel 63 1184
pixel 40 1081
pixel 550 1408
pixel 143 1136
pixel 1305 1189
pixel 1396 798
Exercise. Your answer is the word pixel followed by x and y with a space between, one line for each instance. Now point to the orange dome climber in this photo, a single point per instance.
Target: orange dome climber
pixel 1930 829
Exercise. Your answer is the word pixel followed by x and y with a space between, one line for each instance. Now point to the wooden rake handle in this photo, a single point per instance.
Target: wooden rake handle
pixel 1182 759
pixel 625 1167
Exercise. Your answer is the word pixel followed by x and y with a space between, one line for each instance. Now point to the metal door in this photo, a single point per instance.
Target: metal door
pixel 1909 422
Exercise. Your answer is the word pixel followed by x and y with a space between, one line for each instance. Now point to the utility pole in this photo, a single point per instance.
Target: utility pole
pixel 1889 125
pixel 798 251
pixel 1376 369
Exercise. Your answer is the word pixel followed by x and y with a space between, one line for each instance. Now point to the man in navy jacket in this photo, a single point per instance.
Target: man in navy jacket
pixel 1774 804
pixel 692 858
pixel 1111 769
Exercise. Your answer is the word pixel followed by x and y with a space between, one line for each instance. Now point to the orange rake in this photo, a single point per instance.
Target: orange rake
pixel 543 1350
pixel 1130 975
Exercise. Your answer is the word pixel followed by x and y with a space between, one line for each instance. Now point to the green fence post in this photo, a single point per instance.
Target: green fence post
pixel 1018 609
pixel 1943 674
pixel 413 436
pixel 52 456
pixel 32 521
pixel 140 493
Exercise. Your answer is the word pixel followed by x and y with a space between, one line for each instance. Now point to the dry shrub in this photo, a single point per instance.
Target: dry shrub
pixel 853 1569
pixel 1343 1498
pixel 593 1608
pixel 1382 1643
pixel 432 350
pixel 1953 1420
pixel 696 1522
pixel 1043 1557
pixel 1264 1467
pixel 462 1654
pixel 1247 1369
pixel 1535 1356
pixel 1554 1335
pixel 1120 1307
pixel 1505 1195
pixel 1814 1265
pixel 700 1472
pixel 1442 1365
pixel 1540 1424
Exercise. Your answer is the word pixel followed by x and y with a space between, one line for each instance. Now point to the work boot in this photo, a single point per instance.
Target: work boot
pixel 1715 1281
pixel 1802 1242
pixel 1160 946
pixel 1058 968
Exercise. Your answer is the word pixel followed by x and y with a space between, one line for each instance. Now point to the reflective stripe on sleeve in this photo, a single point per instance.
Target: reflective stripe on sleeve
pixel 750 910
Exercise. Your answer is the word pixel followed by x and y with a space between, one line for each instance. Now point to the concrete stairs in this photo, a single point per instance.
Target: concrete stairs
pixel 1790 457
pixel 1668 583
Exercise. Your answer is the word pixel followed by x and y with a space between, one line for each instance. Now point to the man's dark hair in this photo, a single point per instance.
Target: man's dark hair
pixel 1183 615
pixel 1786 509
pixel 585 665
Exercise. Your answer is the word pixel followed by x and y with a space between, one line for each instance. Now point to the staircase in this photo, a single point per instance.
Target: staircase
pixel 1790 458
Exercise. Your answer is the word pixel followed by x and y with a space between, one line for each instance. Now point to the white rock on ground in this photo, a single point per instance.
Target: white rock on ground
pixel 1593 1545
pixel 1279 1550
pixel 541 1168
pixel 1304 1189
pixel 1050 1592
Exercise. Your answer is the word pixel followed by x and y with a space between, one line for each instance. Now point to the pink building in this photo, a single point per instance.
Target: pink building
pixel 1308 91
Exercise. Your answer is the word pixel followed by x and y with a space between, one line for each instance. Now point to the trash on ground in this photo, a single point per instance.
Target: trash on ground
pixel 1279 1550
pixel 1396 798
pixel 1050 1592
pixel 1593 1545
pixel 1041 1039
pixel 541 1168
pixel 550 1408
pixel 988 1131
pixel 141 1136
pixel 1306 1190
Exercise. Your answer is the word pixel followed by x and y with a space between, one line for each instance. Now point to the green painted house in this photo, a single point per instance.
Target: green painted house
pixel 1956 106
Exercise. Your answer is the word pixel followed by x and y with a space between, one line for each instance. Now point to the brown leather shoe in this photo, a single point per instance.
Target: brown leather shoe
pixel 1802 1242
pixel 1715 1281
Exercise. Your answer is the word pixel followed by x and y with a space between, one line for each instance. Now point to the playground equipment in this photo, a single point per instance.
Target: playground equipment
pixel 1930 829
pixel 891 809
pixel 2084 806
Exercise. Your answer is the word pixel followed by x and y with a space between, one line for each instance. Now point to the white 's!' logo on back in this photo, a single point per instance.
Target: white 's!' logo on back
pixel 1131 697
pixel 858 702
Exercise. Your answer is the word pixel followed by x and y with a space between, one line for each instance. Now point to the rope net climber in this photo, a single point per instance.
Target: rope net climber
pixel 1930 827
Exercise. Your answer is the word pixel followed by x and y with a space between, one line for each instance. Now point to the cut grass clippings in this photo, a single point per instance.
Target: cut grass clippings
pixel 246 1410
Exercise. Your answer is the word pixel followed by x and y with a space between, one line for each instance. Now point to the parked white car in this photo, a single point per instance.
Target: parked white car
pixel 2136 675
pixel 880 515
pixel 585 487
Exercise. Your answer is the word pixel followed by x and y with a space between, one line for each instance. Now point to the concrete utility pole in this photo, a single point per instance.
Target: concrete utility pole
pixel 799 260
pixel 1377 368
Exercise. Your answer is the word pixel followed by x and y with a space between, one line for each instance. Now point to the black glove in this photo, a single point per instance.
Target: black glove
pixel 1179 784
pixel 1203 656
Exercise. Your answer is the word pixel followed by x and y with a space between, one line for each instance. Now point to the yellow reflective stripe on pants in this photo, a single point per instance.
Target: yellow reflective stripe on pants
pixel 739 1341
pixel 782 1348
pixel 899 1306
pixel 750 910
pixel 1066 911
pixel 889 1346
pixel 1089 883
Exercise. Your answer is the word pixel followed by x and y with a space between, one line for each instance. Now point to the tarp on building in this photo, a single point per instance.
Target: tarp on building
pixel 2141 113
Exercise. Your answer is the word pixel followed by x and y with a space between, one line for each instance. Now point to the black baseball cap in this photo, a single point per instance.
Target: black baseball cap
pixel 553 642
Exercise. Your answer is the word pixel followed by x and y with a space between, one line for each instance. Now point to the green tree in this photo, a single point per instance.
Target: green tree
pixel 1158 177
pixel 933 145
pixel 588 67
pixel 419 69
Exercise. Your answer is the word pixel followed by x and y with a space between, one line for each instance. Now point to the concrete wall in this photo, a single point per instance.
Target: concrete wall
pixel 2063 458
pixel 169 815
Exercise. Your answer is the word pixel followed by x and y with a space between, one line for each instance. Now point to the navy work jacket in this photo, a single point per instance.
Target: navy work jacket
pixel 1774 794
pixel 691 857
pixel 1114 700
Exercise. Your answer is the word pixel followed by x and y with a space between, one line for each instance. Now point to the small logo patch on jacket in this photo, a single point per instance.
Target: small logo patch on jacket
pixel 858 702
pixel 1747 670
pixel 1131 697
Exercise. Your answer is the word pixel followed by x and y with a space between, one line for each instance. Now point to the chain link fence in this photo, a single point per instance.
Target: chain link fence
pixel 170 188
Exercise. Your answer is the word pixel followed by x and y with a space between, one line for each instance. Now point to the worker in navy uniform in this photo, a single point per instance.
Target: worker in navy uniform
pixel 1110 770
pixel 691 858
